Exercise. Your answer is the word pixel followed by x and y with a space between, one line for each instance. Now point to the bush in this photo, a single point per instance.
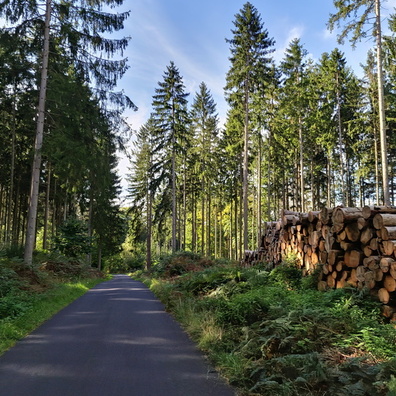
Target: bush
pixel 180 263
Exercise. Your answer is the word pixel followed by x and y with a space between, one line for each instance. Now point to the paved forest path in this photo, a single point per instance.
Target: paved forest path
pixel 116 340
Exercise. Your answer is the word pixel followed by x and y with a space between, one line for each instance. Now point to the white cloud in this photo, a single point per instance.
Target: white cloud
pixel 293 33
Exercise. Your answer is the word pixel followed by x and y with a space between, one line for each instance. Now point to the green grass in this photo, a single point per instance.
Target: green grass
pixel 39 308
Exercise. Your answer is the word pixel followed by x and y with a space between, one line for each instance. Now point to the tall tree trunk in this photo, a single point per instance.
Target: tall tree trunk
pixel 149 229
pixel 209 225
pixel 328 171
pixel 259 229
pixel 245 169
pixel 341 144
pixel 34 187
pixel 46 210
pixel 381 106
pixel 203 219
pixel 377 189
pixel 301 147
pixel 90 219
pixel 184 206
pixel 194 224
pixel 174 214
pixel 216 231
pixel 12 175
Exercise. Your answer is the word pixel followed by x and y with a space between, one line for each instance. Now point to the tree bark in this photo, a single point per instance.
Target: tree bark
pixel 381 106
pixel 34 186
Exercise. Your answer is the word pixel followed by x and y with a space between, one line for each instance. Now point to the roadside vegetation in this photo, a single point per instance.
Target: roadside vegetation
pixel 271 331
pixel 29 295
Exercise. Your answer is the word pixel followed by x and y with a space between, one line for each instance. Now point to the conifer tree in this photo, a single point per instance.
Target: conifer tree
pixel 78 32
pixel 204 122
pixel 250 59
pixel 358 13
pixel 171 120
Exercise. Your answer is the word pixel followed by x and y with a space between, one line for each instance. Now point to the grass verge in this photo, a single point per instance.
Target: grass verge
pixel 40 307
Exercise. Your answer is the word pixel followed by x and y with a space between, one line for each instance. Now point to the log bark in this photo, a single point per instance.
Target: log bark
pixel 345 215
pixel 384 219
pixel 388 233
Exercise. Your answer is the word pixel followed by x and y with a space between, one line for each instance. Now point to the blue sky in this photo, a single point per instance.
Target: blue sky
pixel 192 34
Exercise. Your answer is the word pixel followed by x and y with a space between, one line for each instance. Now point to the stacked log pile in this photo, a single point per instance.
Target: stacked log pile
pixel 353 246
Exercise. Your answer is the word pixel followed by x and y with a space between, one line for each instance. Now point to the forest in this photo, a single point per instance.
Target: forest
pixel 299 135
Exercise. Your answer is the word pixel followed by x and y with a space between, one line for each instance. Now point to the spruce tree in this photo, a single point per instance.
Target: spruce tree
pixel 77 28
pixel 205 126
pixel 250 59
pixel 171 120
pixel 358 14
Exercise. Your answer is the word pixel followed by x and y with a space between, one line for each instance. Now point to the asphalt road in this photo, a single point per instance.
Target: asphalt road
pixel 116 340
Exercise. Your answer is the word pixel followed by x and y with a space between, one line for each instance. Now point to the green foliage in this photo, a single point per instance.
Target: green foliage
pixel 72 239
pixel 35 308
pixel 288 273
pixel 180 263
pixel 269 333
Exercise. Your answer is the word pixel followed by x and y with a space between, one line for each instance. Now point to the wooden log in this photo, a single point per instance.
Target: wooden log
pixel 353 258
pixel 352 232
pixel 344 215
pixel 339 266
pixel 371 211
pixel 367 251
pixel 372 262
pixel 385 264
pixel 334 256
pixel 337 227
pixel 389 283
pixel 384 219
pixel 325 215
pixel 379 275
pixel 341 283
pixel 388 232
pixel 360 273
pixel 323 257
pixel 331 282
pixel 383 295
pixel 313 216
pixel 362 223
pixel 290 219
pixel 366 235
pixel 342 236
pixel 346 245
pixel 330 242
pixel 374 244
pixel 388 247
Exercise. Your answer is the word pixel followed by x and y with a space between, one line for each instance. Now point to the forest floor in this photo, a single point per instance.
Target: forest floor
pixel 272 332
